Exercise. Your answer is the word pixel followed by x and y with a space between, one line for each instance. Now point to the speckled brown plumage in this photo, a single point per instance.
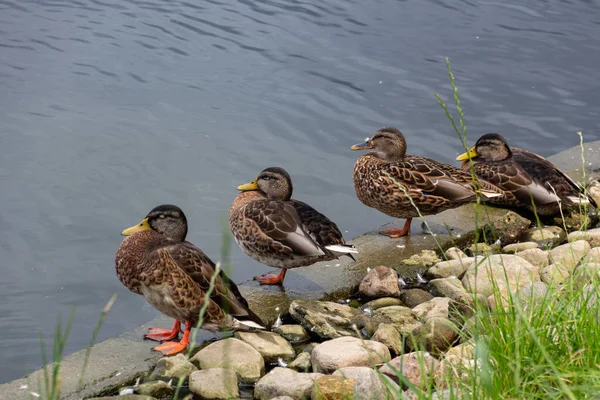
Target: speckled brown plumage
pixel 174 275
pixel 526 175
pixel 281 232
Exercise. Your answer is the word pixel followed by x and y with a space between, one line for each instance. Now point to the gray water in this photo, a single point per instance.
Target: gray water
pixel 111 107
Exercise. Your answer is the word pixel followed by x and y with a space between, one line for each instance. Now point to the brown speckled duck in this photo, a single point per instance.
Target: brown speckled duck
pixel 529 177
pixel 281 232
pixel 156 261
pixel 380 177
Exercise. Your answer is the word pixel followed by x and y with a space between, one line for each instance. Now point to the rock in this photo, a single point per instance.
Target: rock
pixel 516 247
pixel 586 273
pixel 594 193
pixel 448 287
pixel 402 318
pixel 308 348
pixel 293 333
pixel 173 367
pixel 454 253
pixel 568 255
pixel 413 297
pixel 436 336
pixel 158 389
pixel 555 274
pixel 452 369
pixel 504 270
pixel 416 367
pixel 460 310
pixel 326 319
pixel 592 236
pixel 464 350
pixel 592 256
pixel 285 382
pixel 389 335
pixel 468 328
pixel 446 269
pixel 282 398
pixel 590 297
pixel 348 352
pixel 367 383
pixel 426 258
pixel 410 395
pixel 124 397
pixel 531 296
pixel 547 236
pixel 436 307
pixel 234 354
pixel 380 303
pixel 214 384
pixel 301 363
pixel 333 388
pixel 483 249
pixel 381 281
pixel 506 228
pixel 537 257
pixel 270 345
pixel 447 394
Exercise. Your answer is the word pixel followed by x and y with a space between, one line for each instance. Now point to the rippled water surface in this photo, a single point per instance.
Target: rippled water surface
pixel 109 108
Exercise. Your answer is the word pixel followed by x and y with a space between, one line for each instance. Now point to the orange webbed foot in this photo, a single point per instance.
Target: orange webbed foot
pixel 271 279
pixel 395 232
pixel 169 348
pixel 160 334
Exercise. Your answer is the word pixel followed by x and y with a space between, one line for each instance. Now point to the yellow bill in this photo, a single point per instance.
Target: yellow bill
pixel 142 226
pixel 248 186
pixel 469 154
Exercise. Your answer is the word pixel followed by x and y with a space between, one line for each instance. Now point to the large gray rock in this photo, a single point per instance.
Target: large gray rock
pixel 416 367
pixel 568 255
pixel 348 352
pixel 285 382
pixel 592 256
pixel 413 297
pixel 454 253
pixel 376 304
pixel 530 297
pixel 546 236
pixel 214 384
pixel 270 345
pixel 389 335
pixel 434 308
pixel 293 333
pixel 173 367
pixel 504 271
pixel 592 236
pixel 233 354
pixel 436 336
pixel 516 247
pixel 367 383
pixel 555 274
pixel 301 363
pixel 448 287
pixel 158 389
pixel 402 318
pixel 537 257
pixel 450 268
pixel 381 281
pixel 326 319
pixel 452 369
pixel 586 273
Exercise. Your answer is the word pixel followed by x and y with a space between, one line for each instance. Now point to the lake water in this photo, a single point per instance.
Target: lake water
pixel 111 107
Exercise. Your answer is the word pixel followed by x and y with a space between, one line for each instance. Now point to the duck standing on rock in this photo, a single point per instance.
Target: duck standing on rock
pixel 156 261
pixel 534 182
pixel 404 186
pixel 281 232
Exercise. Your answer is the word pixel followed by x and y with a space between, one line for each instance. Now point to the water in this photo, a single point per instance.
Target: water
pixel 109 108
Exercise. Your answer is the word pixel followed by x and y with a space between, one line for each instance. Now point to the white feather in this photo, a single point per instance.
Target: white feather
pixel 342 249
pixel 251 324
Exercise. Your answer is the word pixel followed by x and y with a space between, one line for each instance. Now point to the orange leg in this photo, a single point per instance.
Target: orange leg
pixel 395 232
pixel 168 348
pixel 271 279
pixel 160 334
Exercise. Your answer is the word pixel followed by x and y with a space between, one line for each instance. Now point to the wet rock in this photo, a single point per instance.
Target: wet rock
pixel 416 367
pixel 158 389
pixel 413 297
pixel 586 273
pixel 516 247
pixel 285 382
pixel 381 281
pixel 389 336
pixel 506 271
pixel 402 318
pixel 547 236
pixel 537 257
pixel 592 236
pixel 293 333
pixel 214 384
pixel 592 256
pixel 383 302
pixel 482 249
pixel 301 363
pixel 270 345
pixel 173 367
pixel 434 308
pixel 367 383
pixel 348 352
pixel 426 258
pixel 436 336
pixel 326 319
pixel 450 268
pixel 454 253
pixel 234 354
pixel 568 255
pixel 333 388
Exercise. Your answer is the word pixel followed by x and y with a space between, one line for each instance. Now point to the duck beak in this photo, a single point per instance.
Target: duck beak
pixel 363 146
pixel 248 186
pixel 469 154
pixel 142 226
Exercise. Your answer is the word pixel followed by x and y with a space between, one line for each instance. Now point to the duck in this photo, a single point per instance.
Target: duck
pixel 407 186
pixel 281 232
pixel 154 260
pixel 534 182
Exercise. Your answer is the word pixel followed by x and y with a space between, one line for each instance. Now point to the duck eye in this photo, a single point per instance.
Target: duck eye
pixel 161 216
